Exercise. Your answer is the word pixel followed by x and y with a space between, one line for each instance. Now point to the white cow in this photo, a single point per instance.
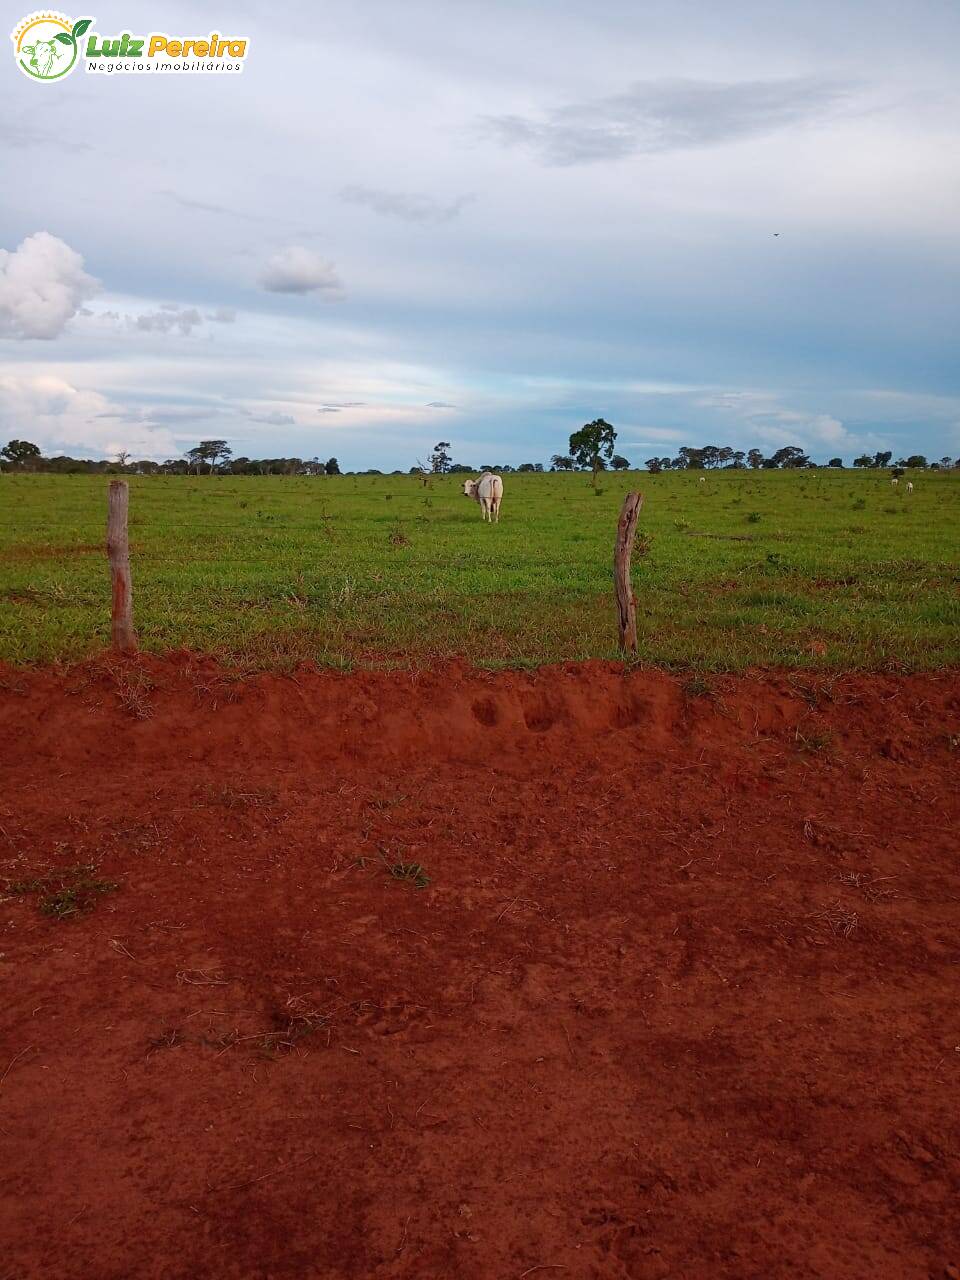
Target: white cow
pixel 909 486
pixel 488 491
pixel 703 479
pixel 894 481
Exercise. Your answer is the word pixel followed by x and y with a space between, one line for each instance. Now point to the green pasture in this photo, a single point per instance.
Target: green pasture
pixel 828 569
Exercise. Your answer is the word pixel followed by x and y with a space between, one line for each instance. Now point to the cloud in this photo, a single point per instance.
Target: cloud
pixel 274 419
pixel 773 423
pixel 409 206
pixel 439 404
pixel 299 270
pixel 57 415
pixel 169 317
pixel 223 315
pixel 666 115
pixel 42 286
pixel 202 206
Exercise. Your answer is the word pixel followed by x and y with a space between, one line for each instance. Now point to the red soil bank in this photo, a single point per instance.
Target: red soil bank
pixel 679 1000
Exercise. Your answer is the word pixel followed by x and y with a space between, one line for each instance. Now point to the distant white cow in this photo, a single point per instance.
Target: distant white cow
pixel 895 481
pixel 909 486
pixel 488 491
pixel 703 479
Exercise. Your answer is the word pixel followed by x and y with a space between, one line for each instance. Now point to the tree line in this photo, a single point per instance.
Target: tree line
pixel 592 449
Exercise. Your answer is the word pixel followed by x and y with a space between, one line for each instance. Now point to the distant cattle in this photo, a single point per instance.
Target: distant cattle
pixel 488 491
pixel 909 486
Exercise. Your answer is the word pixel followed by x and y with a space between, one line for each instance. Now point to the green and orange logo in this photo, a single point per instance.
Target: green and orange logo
pixel 49 45
pixel 46 45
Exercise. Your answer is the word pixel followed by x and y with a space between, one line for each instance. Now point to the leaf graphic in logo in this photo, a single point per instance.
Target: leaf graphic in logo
pixel 63 37
pixel 81 26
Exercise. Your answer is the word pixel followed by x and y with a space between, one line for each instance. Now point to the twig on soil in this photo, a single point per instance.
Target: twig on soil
pixel 187 975
pixel 118 946
pixel 569 1044
pixel 14 1060
pixel 542 1266
pixel 275 1173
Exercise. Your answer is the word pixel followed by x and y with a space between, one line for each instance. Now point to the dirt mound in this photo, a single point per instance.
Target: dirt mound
pixel 459 974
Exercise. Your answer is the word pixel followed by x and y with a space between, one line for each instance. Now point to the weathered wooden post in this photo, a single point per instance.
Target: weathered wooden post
pixel 118 551
pixel 623 548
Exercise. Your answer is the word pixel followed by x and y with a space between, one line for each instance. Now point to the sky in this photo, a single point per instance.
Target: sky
pixel 488 222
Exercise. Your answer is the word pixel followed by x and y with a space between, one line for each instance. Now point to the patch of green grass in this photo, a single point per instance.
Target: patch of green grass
pixel 339 576
pixel 66 894
pixel 408 872
pixel 698 687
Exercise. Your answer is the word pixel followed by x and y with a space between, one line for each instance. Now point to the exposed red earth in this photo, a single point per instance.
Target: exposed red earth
pixel 681 997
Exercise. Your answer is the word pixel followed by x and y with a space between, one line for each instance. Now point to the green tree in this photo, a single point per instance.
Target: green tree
pixel 863 461
pixel 916 460
pixel 440 458
pixel 561 462
pixel 592 446
pixel 835 462
pixel 619 462
pixel 755 459
pixel 333 467
pixel 212 450
pixel 20 452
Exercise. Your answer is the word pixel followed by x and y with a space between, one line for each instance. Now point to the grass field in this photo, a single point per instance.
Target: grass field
pixel 811 569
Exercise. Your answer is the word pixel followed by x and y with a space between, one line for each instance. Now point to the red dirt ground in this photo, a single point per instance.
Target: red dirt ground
pixel 680 999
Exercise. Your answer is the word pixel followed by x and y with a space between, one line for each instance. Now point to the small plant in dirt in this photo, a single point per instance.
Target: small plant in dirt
pixel 754 517
pixel 397 537
pixel 133 687
pixel 681 524
pixel 66 894
pixel 698 687
pixel 860 504
pixel 407 872
pixel 814 742
pixel 642 544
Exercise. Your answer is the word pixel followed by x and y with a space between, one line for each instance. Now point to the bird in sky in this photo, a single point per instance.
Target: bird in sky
pixel 775 234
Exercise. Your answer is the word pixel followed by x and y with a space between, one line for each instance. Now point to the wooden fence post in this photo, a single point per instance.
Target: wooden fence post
pixel 118 551
pixel 622 550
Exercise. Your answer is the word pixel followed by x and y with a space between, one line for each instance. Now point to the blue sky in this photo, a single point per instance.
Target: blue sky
pixel 488 223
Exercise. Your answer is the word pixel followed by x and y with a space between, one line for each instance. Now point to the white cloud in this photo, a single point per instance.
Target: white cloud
pixel 42 286
pixel 58 416
pixel 299 270
pixel 774 423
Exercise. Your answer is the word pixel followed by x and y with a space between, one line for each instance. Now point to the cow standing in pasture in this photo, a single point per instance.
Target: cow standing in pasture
pixel 488 491
pixel 909 486
pixel 895 481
